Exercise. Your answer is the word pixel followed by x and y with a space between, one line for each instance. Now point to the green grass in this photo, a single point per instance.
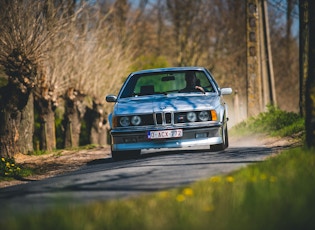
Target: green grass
pixel 274 122
pixel 275 194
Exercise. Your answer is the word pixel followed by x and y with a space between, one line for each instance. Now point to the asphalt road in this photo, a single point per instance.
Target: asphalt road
pixel 106 179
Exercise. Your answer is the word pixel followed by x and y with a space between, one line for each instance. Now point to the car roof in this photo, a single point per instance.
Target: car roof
pixel 168 69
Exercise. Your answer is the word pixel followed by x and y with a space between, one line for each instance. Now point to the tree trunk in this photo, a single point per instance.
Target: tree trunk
pixel 16 121
pixel 26 127
pixel 17 105
pixel 310 81
pixel 46 110
pixel 74 112
pixel 96 124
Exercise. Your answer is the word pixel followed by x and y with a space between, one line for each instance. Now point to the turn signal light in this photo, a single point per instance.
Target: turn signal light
pixel 115 122
pixel 214 115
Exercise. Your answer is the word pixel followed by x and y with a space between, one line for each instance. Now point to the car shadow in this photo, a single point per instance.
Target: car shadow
pixel 228 154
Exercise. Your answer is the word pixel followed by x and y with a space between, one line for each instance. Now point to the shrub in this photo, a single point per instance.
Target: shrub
pixel 274 122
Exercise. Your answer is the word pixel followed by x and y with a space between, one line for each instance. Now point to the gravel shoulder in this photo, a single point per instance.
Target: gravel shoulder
pixel 56 163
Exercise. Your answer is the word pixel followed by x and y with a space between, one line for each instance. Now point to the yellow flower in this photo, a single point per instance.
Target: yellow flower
pixel 3 159
pixel 12 165
pixel 180 198
pixel 230 179
pixel 215 179
pixel 188 192
pixel 208 208
pixel 273 179
pixel 152 203
pixel 7 165
pixel 263 176
pixel 163 194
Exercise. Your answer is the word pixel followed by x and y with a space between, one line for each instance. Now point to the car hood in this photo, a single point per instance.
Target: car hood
pixel 166 103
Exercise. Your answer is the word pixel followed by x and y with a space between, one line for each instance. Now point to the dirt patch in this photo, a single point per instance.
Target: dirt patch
pixel 49 165
pixel 264 140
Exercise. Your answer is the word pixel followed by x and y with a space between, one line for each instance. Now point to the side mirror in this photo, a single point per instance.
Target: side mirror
pixel 226 91
pixel 111 98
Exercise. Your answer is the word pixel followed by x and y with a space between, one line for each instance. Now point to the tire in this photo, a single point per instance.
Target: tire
pixel 224 145
pixel 124 155
pixel 226 138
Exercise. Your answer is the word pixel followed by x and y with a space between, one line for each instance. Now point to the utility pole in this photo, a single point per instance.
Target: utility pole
pixel 269 89
pixel 254 82
pixel 264 63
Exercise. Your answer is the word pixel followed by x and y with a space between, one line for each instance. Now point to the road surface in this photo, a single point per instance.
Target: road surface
pixel 105 179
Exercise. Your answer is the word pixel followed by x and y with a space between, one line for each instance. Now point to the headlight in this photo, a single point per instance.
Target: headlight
pixel 203 116
pixel 124 121
pixel 136 120
pixel 191 116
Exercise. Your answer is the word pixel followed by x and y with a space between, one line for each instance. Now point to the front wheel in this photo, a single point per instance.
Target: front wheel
pixel 224 145
pixel 124 155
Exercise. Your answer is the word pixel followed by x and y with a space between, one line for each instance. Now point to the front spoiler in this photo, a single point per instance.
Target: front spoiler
pixel 191 138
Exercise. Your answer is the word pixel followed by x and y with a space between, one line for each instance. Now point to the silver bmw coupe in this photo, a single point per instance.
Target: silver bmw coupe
pixel 168 108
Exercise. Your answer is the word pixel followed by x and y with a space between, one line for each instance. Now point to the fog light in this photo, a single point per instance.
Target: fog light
pixel 130 140
pixel 201 135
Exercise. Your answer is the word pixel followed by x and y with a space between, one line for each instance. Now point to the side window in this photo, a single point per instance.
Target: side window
pixel 128 88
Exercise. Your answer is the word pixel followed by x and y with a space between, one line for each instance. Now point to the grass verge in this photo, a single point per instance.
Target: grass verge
pixel 275 194
pixel 274 122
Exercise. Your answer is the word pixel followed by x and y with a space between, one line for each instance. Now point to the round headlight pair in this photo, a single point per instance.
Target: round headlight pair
pixel 125 121
pixel 202 116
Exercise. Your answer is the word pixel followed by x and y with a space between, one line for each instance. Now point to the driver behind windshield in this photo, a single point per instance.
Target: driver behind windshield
pixel 192 83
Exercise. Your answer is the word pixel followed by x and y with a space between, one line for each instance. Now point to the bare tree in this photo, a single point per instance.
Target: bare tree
pixel 190 20
pixel 229 59
pixel 50 84
pixel 22 45
pixel 285 59
pixel 110 62
pixel 96 60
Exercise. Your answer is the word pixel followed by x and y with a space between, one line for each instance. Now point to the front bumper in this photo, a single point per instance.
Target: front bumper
pixel 138 140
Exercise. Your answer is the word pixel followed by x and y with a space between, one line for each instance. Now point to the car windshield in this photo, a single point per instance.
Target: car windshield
pixel 167 82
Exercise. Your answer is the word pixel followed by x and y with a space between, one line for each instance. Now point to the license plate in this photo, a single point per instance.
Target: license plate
pixel 165 134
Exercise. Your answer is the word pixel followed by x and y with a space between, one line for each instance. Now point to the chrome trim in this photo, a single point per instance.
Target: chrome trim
pixel 173 143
